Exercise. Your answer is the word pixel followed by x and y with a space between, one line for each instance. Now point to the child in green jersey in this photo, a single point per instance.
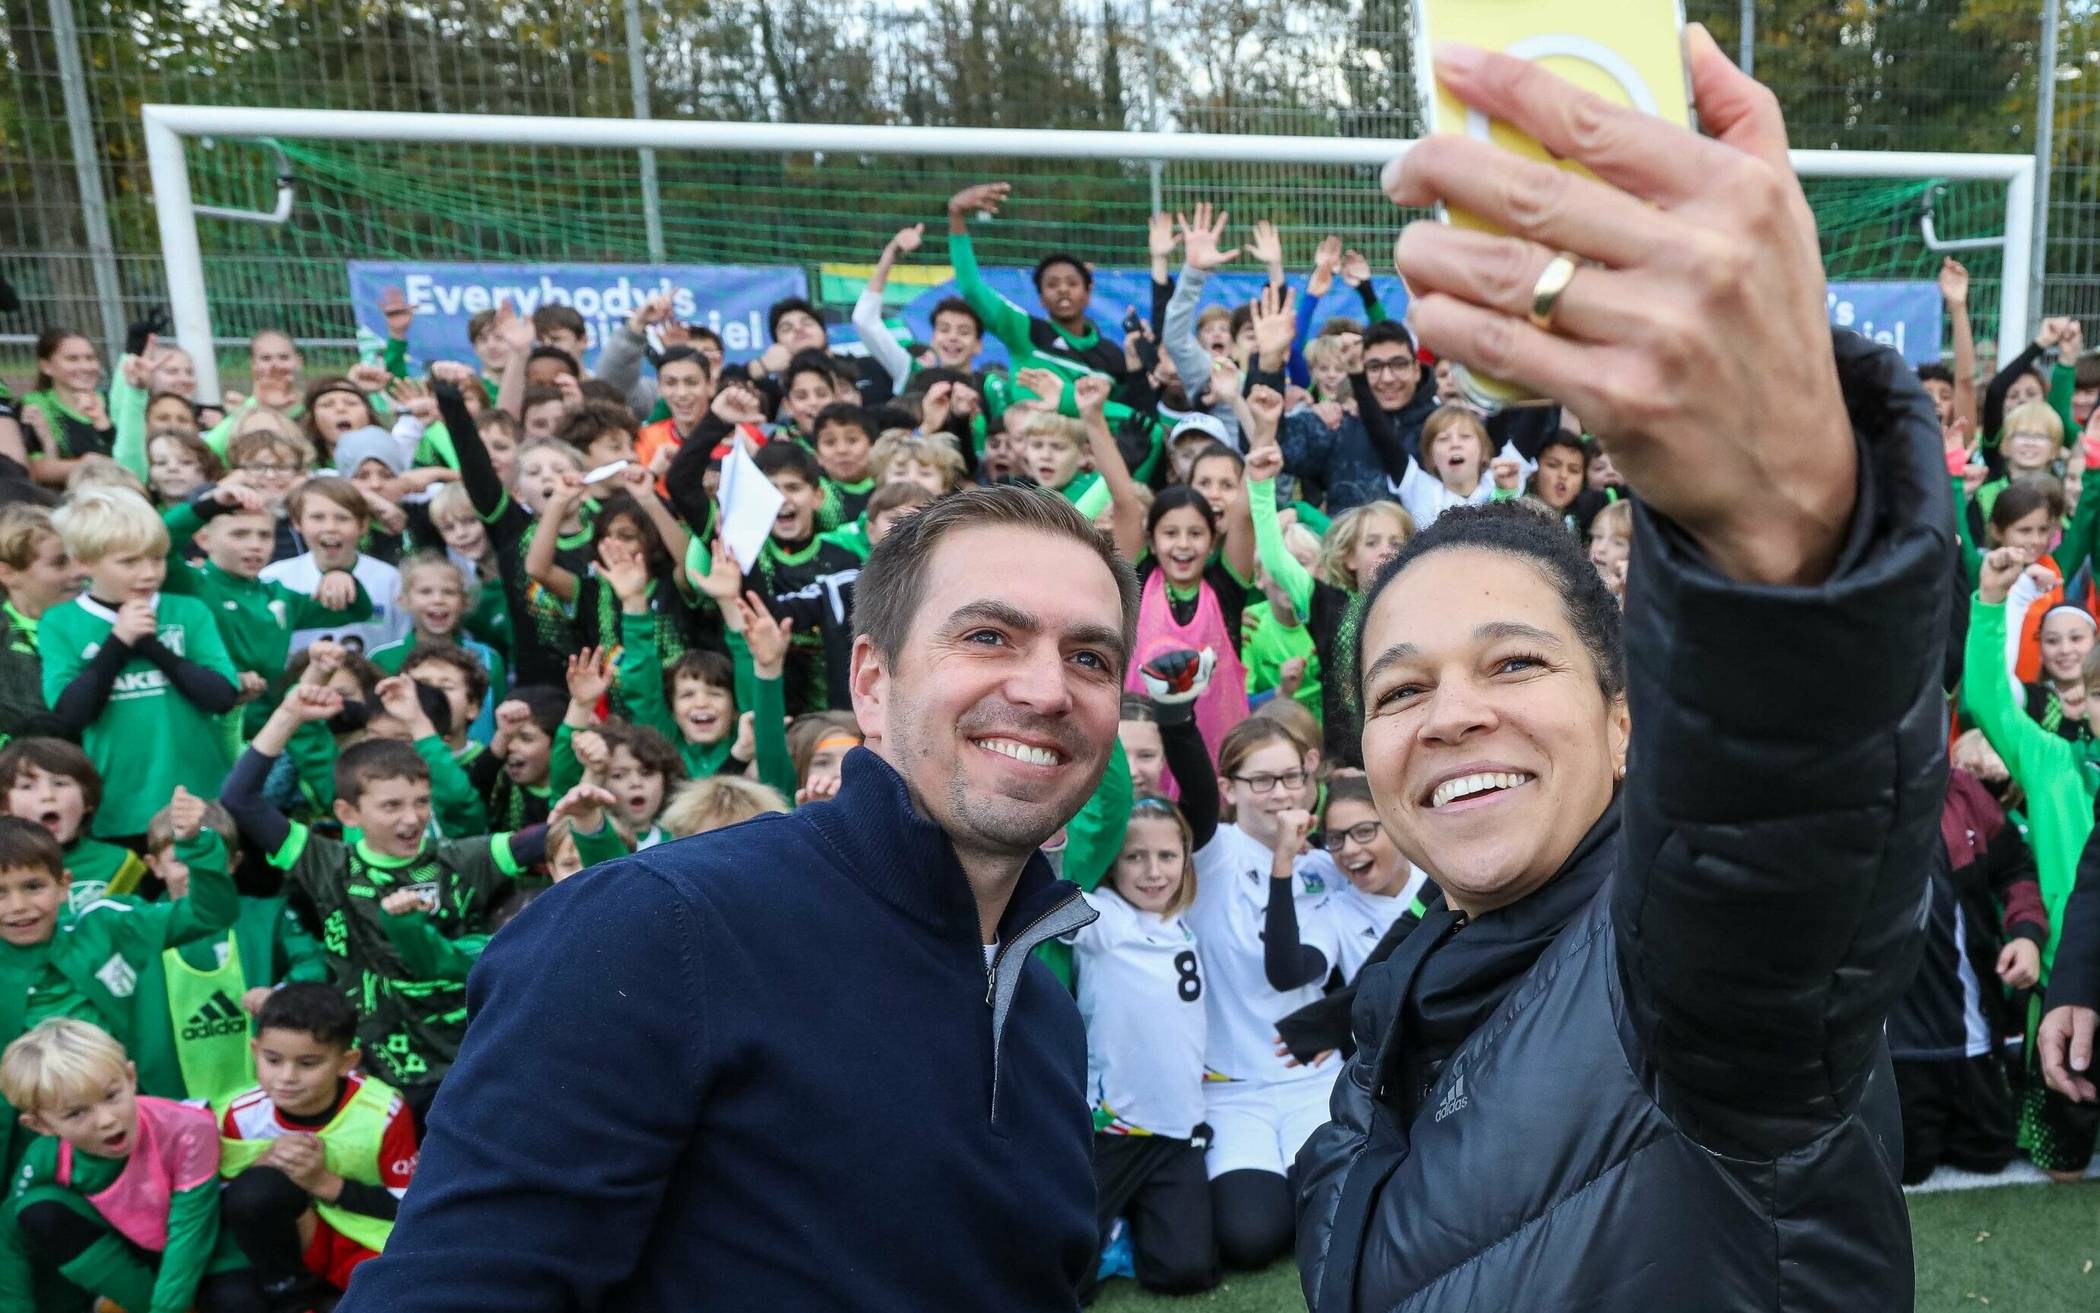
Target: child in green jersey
pixel 66 410
pixel 512 777
pixel 795 559
pixel 191 1009
pixel 122 1196
pixel 256 616
pixel 2060 779
pixel 459 675
pixel 844 440
pixel 808 385
pixel 35 575
pixel 92 969
pixel 1054 452
pixel 440 606
pixel 131 667
pixel 580 834
pixel 52 782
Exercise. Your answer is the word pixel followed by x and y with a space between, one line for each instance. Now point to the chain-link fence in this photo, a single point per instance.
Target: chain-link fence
pixel 1928 75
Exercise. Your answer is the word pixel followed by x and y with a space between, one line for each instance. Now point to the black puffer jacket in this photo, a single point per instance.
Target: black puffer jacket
pixel 1660 1081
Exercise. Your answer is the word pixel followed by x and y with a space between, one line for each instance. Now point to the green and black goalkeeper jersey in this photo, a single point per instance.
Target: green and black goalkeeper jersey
pixel 409 1029
pixel 784 571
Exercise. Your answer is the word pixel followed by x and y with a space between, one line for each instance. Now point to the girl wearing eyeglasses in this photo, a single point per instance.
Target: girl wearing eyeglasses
pixel 1268 946
pixel 1380 883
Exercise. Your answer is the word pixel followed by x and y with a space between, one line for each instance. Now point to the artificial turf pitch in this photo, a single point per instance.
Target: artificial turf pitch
pixel 2017 1248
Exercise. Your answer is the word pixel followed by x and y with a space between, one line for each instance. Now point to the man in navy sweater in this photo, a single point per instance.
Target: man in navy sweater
pixel 809 1062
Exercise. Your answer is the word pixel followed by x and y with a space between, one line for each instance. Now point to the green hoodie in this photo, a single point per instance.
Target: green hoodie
pixel 2058 776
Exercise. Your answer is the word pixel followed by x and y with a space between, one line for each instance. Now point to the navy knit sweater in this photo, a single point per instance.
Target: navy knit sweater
pixel 767 1069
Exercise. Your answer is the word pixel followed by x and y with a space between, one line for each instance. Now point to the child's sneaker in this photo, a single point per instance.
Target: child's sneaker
pixel 1116 1260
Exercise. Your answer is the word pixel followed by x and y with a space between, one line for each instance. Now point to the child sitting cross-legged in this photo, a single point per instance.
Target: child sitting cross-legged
pixel 122 1194
pixel 318 1154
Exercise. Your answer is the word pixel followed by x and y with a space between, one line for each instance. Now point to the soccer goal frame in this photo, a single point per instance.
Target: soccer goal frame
pixel 167 127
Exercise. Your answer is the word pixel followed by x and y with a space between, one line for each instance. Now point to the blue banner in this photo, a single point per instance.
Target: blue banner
pixel 1905 316
pixel 1117 291
pixel 730 299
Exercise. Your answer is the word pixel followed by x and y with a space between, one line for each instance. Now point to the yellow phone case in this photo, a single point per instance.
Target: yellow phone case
pixel 1630 51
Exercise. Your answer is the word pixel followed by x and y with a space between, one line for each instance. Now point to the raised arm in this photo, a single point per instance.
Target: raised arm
pixel 1759 926
pixel 1954 289
pixel 1002 318
pixel 1262 465
pixel 1787 612
pixel 1286 961
pixel 539 557
pixel 2002 381
pixel 620 363
pixel 242 795
pixel 476 470
pixel 883 346
pixel 1127 512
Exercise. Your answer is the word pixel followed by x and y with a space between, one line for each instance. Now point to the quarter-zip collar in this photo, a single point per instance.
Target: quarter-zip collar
pixel 909 862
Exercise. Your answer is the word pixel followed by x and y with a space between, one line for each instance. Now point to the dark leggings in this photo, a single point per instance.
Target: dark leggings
pixel 262 1207
pixel 1252 1217
pixel 60 1235
pixel 56 1233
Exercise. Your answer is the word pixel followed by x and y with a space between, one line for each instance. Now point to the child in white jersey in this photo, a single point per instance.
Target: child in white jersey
pixel 1141 995
pixel 1268 946
pixel 1378 885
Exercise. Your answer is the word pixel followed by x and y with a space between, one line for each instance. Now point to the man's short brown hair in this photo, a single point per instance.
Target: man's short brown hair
pixel 893 583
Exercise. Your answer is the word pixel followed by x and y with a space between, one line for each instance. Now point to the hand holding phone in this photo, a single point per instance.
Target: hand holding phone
pixel 1629 53
pixel 1699 285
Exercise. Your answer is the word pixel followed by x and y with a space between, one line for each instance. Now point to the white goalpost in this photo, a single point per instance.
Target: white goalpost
pixel 168 126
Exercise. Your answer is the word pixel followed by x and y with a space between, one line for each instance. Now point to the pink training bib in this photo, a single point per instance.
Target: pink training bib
pixel 1224 703
pixel 177 1150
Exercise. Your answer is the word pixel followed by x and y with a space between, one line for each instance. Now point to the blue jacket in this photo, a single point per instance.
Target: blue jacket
pixel 763 1068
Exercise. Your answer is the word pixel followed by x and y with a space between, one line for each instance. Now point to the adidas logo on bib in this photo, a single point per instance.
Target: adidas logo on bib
pixel 219 1015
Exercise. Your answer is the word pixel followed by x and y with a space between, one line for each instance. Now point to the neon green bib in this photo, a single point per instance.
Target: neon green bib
pixel 349 1145
pixel 211 1027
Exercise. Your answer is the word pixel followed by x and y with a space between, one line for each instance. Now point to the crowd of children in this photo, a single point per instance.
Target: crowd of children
pixel 305 693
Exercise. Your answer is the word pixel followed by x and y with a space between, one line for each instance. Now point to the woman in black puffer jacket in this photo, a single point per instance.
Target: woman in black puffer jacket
pixel 1638 1062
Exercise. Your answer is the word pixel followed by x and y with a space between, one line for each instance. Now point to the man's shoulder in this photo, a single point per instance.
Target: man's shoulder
pixel 772 860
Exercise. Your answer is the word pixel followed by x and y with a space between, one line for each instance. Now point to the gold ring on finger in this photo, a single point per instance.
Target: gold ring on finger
pixel 1553 280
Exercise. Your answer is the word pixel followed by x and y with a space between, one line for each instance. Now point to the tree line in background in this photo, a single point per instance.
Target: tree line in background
pixel 1933 75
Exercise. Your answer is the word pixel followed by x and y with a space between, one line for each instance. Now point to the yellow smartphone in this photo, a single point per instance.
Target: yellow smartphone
pixel 1629 51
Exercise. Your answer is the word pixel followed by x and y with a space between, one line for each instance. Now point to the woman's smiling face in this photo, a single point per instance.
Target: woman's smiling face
pixel 1490 746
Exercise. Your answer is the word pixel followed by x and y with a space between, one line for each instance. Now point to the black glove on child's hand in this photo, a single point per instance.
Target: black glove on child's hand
pixel 137 333
pixel 1175 680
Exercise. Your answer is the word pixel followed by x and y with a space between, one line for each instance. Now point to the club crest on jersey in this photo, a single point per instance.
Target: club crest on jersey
pixel 1314 882
pixel 117 976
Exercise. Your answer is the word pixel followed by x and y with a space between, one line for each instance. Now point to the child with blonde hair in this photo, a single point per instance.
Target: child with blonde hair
pixel 718 802
pixel 126 666
pixel 35 575
pixel 122 1193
